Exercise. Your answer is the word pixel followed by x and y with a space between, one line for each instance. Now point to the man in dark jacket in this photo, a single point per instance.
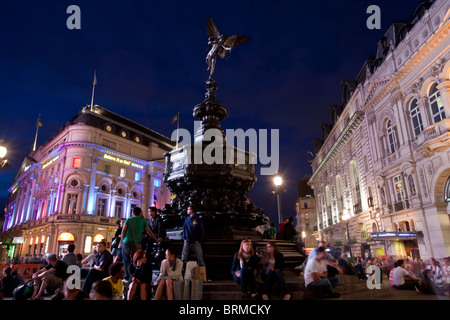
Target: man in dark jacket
pixel 289 231
pixel 7 282
pixel 157 226
pixel 99 267
pixel 193 233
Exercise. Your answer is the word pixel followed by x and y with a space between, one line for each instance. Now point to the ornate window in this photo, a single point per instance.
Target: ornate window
pixel 72 203
pixel 447 190
pixel 416 118
pixel 392 137
pixel 436 104
pixel 399 191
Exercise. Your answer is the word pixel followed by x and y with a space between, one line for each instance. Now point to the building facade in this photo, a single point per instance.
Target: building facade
pixel 306 213
pixel 382 167
pixel 94 170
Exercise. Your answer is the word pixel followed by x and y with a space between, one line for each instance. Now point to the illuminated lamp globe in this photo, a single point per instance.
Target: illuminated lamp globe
pixel 277 181
pixel 3 151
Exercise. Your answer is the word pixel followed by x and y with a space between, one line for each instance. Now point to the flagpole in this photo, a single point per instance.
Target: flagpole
pixel 37 129
pixel 93 89
pixel 178 125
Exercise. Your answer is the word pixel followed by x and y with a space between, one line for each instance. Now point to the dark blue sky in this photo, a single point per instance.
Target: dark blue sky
pixel 150 62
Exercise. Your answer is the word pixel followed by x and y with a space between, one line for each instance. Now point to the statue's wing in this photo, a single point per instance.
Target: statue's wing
pixel 231 42
pixel 211 29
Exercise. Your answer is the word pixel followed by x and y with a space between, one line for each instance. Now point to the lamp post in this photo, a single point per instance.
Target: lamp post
pixel 277 182
pixel 346 218
pixel 3 152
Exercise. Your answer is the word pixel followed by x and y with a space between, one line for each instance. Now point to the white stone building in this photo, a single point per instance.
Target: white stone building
pixel 94 170
pixel 383 164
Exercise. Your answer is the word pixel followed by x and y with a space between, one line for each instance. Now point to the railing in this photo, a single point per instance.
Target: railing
pixel 62 218
pixel 401 205
pixel 357 208
pixel 27 269
pixel 434 131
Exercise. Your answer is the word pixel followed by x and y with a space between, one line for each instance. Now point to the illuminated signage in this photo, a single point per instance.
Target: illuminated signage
pixel 50 162
pixel 396 235
pixel 17 240
pixel 98 238
pixel 123 161
pixel 66 236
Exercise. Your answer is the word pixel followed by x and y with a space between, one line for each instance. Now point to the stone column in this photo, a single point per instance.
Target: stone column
pixel 91 194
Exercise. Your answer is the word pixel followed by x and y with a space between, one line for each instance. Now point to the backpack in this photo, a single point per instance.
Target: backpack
pixel 24 291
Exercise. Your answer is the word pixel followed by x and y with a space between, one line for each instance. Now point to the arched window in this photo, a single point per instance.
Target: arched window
pixel 391 137
pixel 436 104
pixel 374 227
pixel 447 190
pixel 416 118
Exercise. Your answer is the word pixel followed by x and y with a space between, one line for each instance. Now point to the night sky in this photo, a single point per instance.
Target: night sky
pixel 150 62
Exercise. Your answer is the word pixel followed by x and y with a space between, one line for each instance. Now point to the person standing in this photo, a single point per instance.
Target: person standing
pixel 99 267
pixel 316 276
pixel 157 226
pixel 116 241
pixel 281 229
pixel 131 237
pixel 289 231
pixel 273 231
pixel 193 234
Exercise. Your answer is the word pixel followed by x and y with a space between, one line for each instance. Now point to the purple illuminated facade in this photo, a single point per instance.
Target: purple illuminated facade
pixel 94 170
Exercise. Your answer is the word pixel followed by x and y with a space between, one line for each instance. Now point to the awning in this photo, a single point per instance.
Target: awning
pixel 398 235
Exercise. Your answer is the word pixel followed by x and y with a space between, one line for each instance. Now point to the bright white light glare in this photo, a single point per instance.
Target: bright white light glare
pixel 278 181
pixel 2 151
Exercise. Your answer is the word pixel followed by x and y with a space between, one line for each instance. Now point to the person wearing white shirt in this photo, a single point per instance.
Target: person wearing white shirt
pixel 403 280
pixel 316 276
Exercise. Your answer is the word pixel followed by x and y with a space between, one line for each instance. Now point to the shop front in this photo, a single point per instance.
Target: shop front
pixel 404 243
pixel 64 239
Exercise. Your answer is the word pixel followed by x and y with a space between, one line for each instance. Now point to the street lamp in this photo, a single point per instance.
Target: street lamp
pixel 277 182
pixel 3 152
pixel 346 218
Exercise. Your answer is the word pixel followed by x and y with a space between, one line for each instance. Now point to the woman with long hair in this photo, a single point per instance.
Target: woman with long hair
pixel 141 276
pixel 171 270
pixel 272 263
pixel 245 269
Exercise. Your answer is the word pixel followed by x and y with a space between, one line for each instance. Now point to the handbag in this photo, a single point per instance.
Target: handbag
pixel 196 290
pixel 200 273
pixel 178 289
pixel 115 243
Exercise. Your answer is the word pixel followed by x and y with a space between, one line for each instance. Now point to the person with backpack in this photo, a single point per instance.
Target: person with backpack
pixel 131 238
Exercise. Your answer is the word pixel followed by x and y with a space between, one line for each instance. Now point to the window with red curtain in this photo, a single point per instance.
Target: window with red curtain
pixel 76 162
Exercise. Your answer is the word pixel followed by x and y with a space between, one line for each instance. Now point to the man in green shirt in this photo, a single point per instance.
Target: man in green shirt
pixel 131 235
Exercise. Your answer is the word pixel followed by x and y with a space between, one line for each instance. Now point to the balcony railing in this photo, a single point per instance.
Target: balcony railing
pixel 61 218
pixel 357 208
pixel 401 205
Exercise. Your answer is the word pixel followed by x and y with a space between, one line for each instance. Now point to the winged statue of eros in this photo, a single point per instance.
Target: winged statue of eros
pixel 220 44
